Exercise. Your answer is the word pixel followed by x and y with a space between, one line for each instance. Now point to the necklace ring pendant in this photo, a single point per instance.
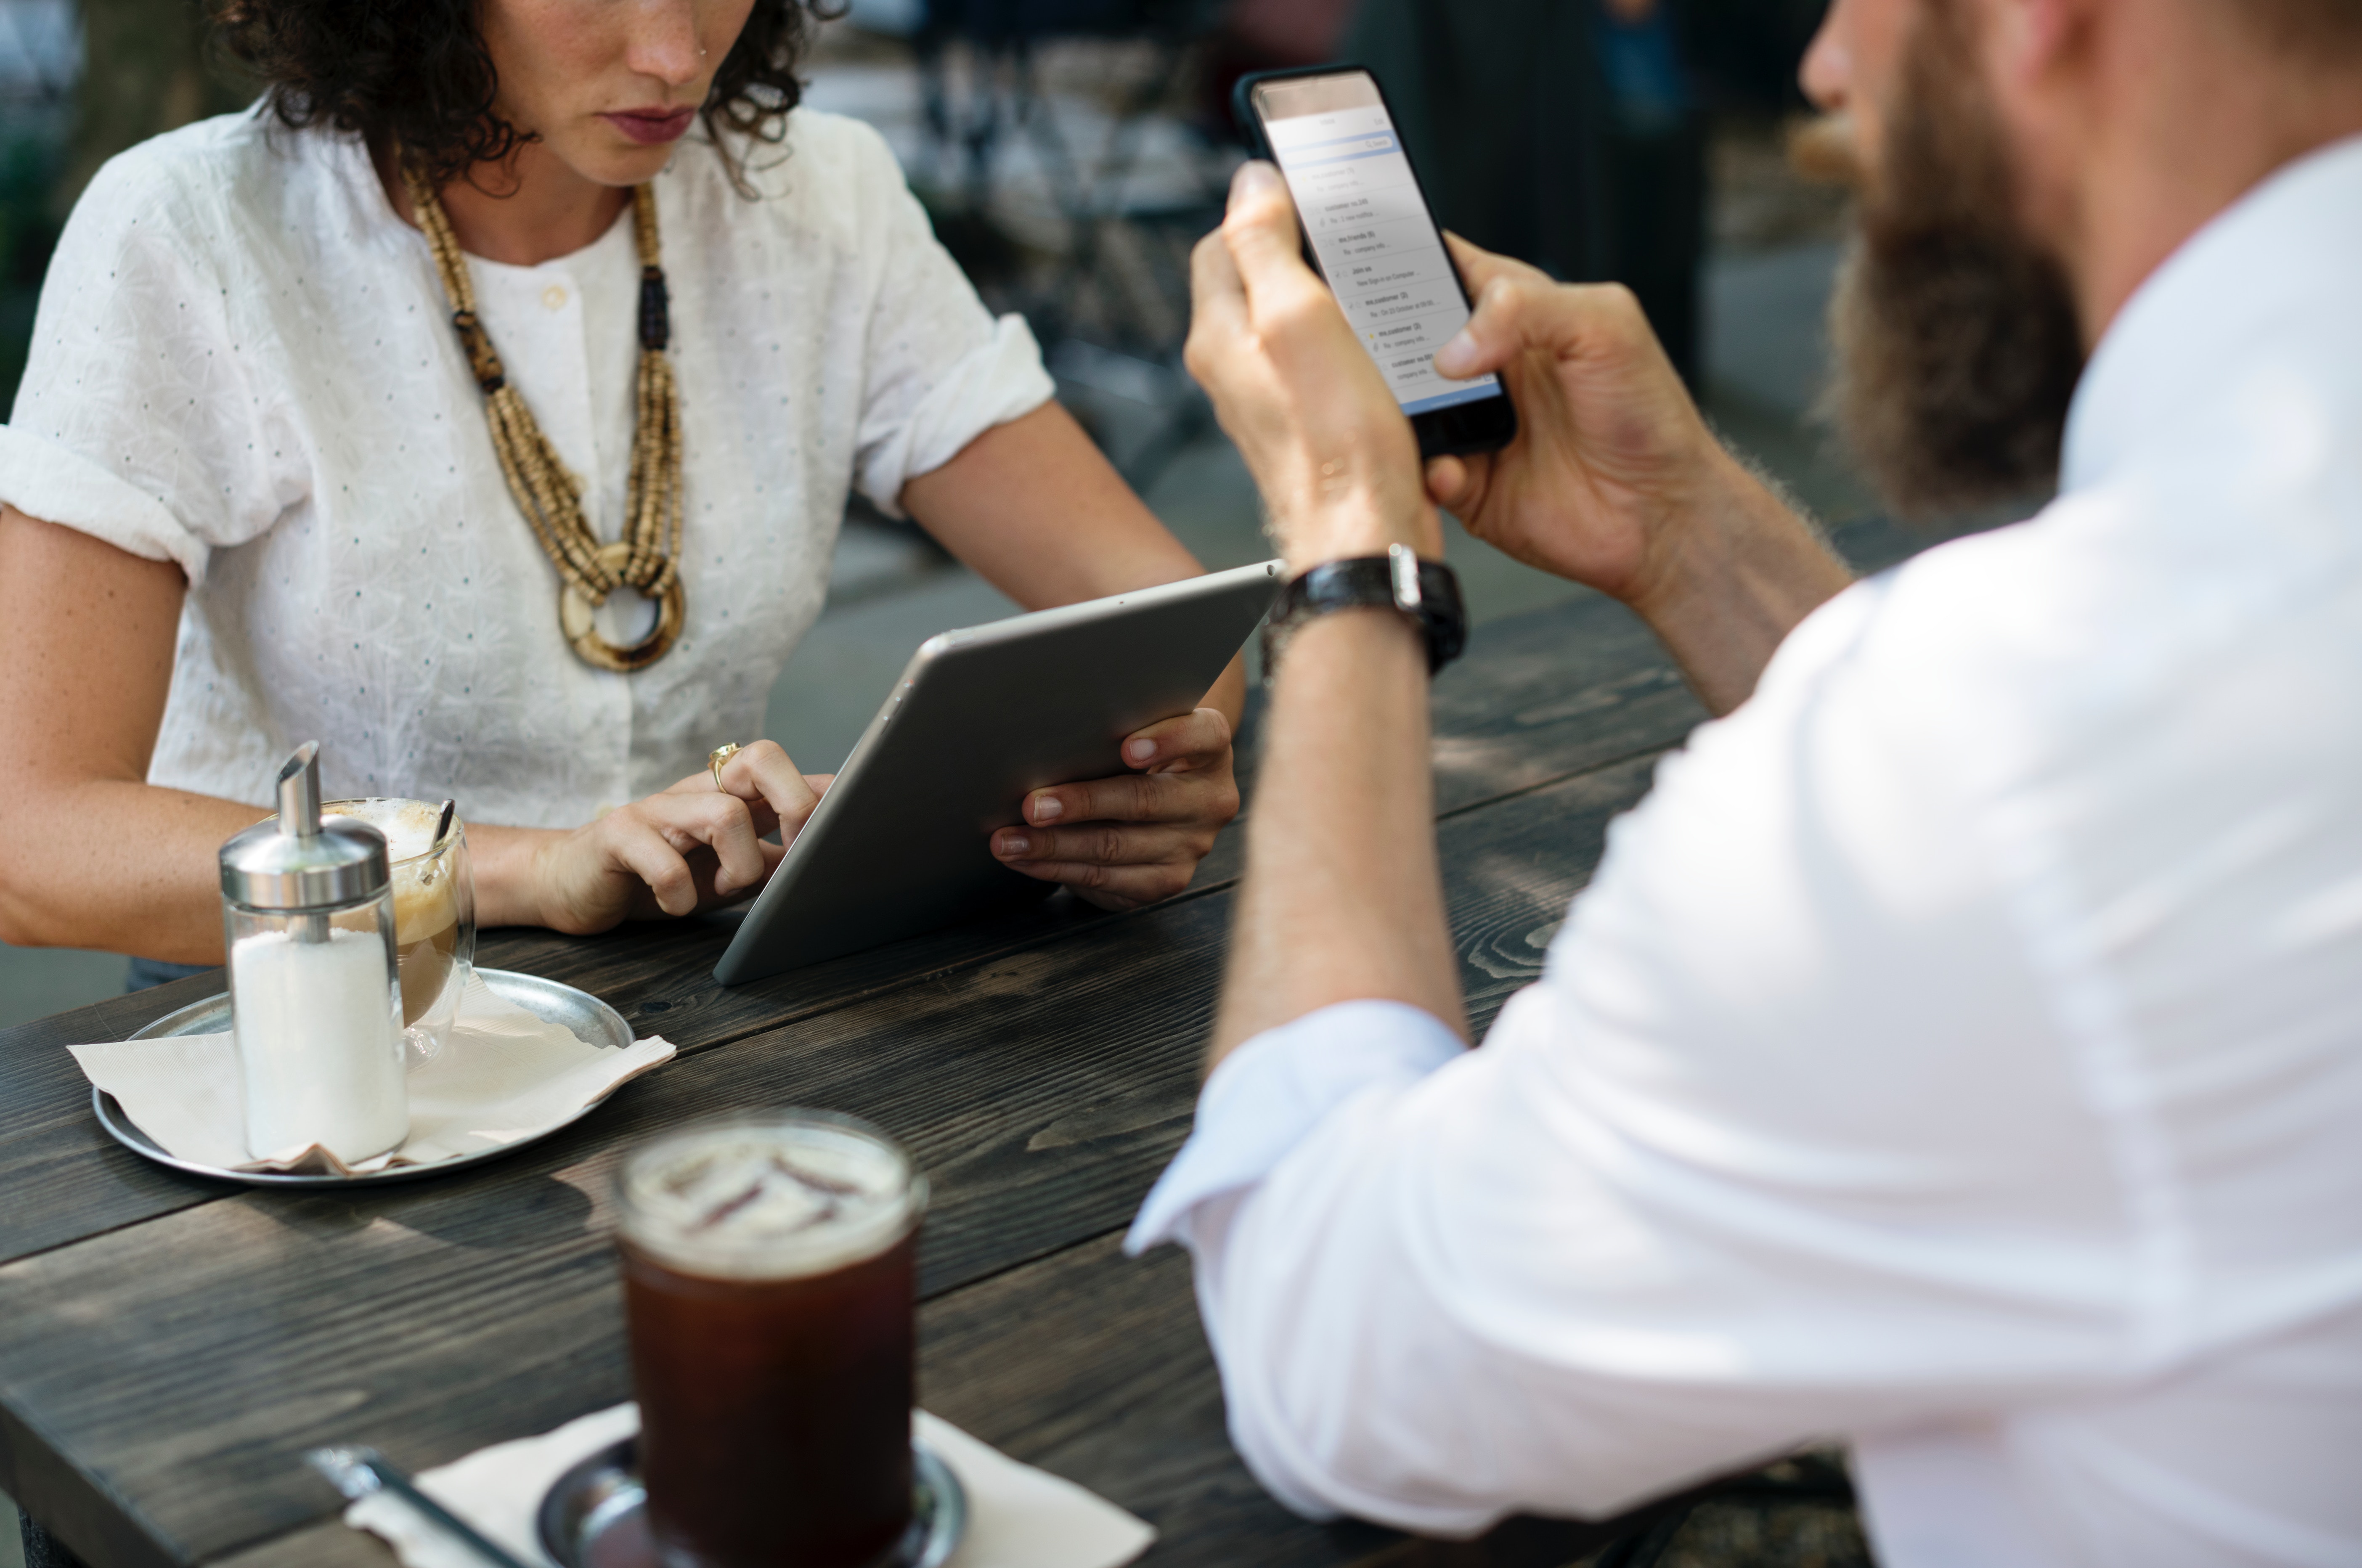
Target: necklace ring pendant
pixel 577 618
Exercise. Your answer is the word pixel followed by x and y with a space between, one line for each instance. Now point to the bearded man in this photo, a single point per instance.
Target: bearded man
pixel 1960 1052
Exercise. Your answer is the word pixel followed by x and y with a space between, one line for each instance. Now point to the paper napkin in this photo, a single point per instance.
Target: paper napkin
pixel 1017 1516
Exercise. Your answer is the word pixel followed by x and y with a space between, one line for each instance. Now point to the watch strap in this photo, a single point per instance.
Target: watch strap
pixel 1427 593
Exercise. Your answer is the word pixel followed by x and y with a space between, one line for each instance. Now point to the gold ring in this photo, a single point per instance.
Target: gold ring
pixel 717 756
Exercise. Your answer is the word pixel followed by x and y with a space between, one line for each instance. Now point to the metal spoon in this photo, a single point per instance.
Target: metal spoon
pixel 358 1471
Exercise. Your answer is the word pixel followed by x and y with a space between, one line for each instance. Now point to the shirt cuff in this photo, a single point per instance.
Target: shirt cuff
pixel 1002 380
pixel 43 480
pixel 1269 1093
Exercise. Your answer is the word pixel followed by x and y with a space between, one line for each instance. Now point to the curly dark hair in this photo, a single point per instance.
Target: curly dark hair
pixel 417 72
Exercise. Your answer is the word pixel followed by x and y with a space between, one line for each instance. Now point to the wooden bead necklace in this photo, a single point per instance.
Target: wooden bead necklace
pixel 550 496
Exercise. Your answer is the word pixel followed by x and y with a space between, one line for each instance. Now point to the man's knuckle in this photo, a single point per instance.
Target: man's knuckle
pixel 1294 316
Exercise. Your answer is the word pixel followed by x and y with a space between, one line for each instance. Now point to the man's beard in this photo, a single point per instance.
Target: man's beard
pixel 1958 343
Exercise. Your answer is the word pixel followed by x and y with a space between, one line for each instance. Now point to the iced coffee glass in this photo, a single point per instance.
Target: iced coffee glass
pixel 769 1290
pixel 434 913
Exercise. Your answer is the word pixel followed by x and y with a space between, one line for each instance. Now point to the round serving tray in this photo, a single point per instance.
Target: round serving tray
pixel 595 1516
pixel 591 1021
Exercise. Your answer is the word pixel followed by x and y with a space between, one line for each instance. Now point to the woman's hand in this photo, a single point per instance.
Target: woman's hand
pixel 1128 841
pixel 1294 388
pixel 692 847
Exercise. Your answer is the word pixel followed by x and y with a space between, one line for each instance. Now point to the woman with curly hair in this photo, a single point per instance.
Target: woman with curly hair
pixel 484 404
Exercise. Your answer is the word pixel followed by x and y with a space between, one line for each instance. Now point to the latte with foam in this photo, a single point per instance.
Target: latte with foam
pixel 429 906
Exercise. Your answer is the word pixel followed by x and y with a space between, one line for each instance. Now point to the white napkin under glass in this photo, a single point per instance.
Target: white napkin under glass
pixel 1017 1516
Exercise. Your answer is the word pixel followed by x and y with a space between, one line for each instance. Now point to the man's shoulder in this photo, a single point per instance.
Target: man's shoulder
pixel 2183 616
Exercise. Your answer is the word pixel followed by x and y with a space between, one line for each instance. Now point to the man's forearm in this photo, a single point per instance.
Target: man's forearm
pixel 1342 899
pixel 1739 574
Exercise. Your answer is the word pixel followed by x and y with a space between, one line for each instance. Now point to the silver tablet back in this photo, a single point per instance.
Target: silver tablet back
pixel 980 717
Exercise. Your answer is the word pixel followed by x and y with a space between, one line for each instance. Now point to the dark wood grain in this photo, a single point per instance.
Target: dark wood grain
pixel 1042 1092
pixel 1093 1366
pixel 61 1178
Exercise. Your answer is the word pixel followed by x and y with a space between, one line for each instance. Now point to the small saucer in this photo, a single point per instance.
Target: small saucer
pixel 591 1021
pixel 595 1516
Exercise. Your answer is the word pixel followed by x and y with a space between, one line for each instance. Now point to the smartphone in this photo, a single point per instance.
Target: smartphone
pixel 1368 229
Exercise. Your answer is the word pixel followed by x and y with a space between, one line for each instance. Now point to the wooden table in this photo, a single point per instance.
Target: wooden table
pixel 169 1347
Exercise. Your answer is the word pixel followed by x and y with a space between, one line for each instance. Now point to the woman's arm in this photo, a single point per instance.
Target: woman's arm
pixel 1040 514
pixel 91 854
pixel 1035 509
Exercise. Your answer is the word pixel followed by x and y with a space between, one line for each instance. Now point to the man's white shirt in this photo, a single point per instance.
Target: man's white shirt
pixel 1959 1052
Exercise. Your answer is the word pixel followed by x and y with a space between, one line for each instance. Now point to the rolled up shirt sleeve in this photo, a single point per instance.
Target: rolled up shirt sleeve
pixel 941 369
pixel 139 420
pixel 1267 1096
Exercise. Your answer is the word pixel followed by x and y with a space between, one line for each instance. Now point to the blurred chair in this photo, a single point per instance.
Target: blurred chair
pixel 1110 305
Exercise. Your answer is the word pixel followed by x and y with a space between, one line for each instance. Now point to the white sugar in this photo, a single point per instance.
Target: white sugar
pixel 319 1043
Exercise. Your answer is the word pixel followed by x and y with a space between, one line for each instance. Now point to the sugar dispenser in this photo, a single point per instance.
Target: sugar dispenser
pixel 307 907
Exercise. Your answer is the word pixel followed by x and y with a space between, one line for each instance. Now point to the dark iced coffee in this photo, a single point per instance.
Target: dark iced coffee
pixel 769 1288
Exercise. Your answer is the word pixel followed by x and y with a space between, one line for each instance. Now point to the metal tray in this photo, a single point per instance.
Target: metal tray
pixel 595 1516
pixel 591 1021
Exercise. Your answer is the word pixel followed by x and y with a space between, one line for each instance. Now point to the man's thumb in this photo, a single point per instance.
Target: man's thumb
pixel 1260 222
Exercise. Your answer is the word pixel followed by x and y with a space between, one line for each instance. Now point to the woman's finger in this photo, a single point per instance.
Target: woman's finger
pixel 1114 887
pixel 722 824
pixel 1103 844
pixel 637 845
pixel 1207 795
pixel 763 771
pixel 1180 743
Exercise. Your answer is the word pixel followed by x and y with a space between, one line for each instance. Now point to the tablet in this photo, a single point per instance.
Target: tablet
pixel 901 843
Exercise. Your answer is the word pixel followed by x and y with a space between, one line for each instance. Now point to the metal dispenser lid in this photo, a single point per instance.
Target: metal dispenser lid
pixel 294 861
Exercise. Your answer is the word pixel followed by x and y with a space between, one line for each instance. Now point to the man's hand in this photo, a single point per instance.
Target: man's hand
pixel 1615 480
pixel 1124 841
pixel 1611 456
pixel 691 847
pixel 1292 385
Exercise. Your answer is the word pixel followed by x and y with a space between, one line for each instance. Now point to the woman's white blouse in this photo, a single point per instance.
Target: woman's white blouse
pixel 243 363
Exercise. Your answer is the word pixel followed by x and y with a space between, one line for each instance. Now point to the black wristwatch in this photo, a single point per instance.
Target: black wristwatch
pixel 1427 593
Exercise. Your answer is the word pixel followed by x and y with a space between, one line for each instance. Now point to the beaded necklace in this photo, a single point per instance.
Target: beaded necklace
pixel 646 557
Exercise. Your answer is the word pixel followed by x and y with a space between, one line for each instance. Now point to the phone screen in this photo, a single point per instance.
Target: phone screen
pixel 1369 226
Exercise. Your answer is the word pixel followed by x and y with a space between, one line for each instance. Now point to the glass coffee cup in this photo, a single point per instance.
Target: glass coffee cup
pixel 770 1292
pixel 433 913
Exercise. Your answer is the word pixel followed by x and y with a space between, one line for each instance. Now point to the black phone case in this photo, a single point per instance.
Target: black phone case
pixel 1484 426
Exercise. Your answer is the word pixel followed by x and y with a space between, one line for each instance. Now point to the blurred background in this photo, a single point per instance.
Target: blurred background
pixel 1070 152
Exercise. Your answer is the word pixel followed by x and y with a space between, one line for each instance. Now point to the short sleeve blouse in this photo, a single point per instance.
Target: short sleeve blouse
pixel 243 363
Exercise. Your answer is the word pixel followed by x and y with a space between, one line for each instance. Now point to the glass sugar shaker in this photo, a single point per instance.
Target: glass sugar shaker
pixel 307 907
